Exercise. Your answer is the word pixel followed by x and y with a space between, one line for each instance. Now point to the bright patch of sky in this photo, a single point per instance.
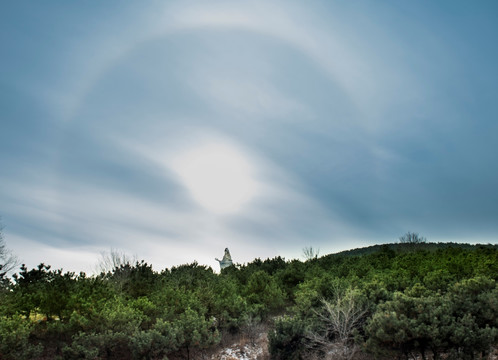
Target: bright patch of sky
pixel 173 130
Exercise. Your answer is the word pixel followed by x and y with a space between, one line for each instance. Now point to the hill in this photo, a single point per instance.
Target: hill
pixel 394 300
pixel 400 247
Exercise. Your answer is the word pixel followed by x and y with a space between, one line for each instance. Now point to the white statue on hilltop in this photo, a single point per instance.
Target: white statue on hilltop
pixel 226 261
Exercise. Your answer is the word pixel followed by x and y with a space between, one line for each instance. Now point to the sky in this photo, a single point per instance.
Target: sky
pixel 169 130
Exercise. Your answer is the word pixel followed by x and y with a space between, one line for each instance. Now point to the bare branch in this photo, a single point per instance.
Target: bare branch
pixel 339 317
pixel 310 253
pixel 110 260
pixel 412 238
pixel 8 261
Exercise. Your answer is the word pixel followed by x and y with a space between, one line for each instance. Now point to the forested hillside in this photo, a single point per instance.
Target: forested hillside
pixel 390 301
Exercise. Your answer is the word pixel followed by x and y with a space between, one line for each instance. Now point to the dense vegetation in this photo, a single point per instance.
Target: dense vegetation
pixel 390 301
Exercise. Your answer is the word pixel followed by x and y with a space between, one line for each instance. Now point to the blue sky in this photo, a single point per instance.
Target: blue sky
pixel 172 130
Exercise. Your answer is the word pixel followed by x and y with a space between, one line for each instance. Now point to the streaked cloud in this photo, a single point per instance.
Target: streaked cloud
pixel 172 130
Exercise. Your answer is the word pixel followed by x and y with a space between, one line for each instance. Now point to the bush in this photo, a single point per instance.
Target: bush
pixel 14 339
pixel 263 293
pixel 138 344
pixel 106 345
pixel 286 340
pixel 194 331
pixel 338 322
pixel 152 344
pixel 229 307
pixel 109 332
pixel 462 322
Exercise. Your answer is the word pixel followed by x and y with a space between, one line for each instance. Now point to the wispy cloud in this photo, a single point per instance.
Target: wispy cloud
pixel 350 122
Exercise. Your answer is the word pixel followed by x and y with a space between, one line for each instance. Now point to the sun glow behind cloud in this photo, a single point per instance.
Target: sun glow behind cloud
pixel 218 177
pixel 262 127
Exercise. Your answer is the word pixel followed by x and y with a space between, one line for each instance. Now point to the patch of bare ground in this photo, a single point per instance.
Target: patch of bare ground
pixel 249 344
pixel 252 344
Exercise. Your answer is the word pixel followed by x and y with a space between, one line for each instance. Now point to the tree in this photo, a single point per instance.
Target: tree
pixel 42 291
pixel 7 260
pixel 310 253
pixel 111 332
pixel 286 341
pixel 419 323
pixel 194 331
pixel 339 319
pixel 114 259
pixel 133 280
pixel 408 325
pixel 412 238
pixel 29 288
pixel 14 339
pixel 263 293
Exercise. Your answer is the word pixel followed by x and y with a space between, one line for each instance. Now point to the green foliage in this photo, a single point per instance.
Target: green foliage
pixel 133 281
pixel 263 293
pixel 309 294
pixel 107 345
pixel 229 306
pixel 118 316
pixel 115 332
pixel 4 281
pixel 153 344
pixel 425 300
pixel 14 339
pixel 44 291
pixel 194 331
pixel 462 322
pixel 287 339
pixel 191 276
pixel 291 276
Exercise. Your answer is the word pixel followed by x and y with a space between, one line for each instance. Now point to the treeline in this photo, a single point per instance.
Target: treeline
pixel 398 301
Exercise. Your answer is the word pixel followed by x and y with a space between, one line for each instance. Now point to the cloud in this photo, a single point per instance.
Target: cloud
pixel 357 73
pixel 246 96
pixel 346 120
pixel 84 214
